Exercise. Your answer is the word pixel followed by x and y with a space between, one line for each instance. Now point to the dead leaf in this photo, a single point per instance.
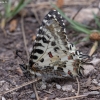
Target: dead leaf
pixel 95 36
pixel 60 3
pixel 13 25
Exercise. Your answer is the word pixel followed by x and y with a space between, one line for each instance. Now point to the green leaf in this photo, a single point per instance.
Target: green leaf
pixel 7 8
pixel 19 7
pixel 81 25
pixel 85 39
pixel 77 28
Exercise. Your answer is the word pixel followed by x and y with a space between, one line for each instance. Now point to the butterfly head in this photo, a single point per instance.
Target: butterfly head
pixel 24 67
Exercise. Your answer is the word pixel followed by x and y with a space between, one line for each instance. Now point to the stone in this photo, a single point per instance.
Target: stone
pixel 67 88
pixel 58 86
pixel 88 69
pixel 94 81
pixel 43 86
pixel 3 98
pixel 98 84
pixel 32 95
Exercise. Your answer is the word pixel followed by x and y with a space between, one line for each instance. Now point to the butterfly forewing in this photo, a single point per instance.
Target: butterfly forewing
pixel 53 54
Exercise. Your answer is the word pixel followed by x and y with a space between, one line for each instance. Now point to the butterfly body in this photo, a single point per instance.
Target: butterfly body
pixel 53 55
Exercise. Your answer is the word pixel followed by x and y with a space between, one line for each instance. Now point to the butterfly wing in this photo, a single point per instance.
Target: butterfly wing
pixel 52 52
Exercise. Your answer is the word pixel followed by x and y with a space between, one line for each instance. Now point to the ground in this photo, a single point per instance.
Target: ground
pixel 10 75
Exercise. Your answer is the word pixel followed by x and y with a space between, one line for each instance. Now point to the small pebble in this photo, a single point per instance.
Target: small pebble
pixel 88 69
pixel 94 81
pixel 73 90
pixel 30 49
pixel 98 84
pixel 58 86
pixel 43 86
pixel 3 98
pixel 2 82
pixel 67 88
pixel 33 96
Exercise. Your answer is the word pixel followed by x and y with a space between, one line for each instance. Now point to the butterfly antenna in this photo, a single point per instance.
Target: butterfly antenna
pixel 18 55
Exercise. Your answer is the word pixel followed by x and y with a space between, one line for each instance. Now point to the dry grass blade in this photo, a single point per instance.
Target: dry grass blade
pixel 24 37
pixel 2 25
pixel 78 87
pixel 94 47
pixel 37 97
pixel 95 88
pixel 74 97
pixel 76 13
pixel 47 92
pixel 37 18
pixel 16 88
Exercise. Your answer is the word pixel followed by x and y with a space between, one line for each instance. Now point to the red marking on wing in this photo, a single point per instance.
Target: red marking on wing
pixel 70 57
pixel 69 72
pixel 50 54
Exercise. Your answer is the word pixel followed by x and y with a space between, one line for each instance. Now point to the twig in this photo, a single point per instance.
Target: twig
pixel 74 97
pixel 76 13
pixel 24 37
pixel 78 87
pixel 37 97
pixel 24 84
pixel 47 92
pixel 37 18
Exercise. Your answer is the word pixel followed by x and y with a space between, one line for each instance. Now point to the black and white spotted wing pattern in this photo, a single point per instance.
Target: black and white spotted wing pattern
pixel 53 55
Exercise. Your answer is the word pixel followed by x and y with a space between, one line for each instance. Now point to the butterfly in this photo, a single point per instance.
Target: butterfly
pixel 53 55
